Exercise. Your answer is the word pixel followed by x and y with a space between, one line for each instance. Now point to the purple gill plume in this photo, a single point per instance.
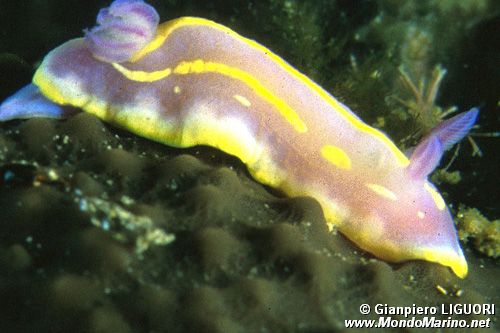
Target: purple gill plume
pixel 123 28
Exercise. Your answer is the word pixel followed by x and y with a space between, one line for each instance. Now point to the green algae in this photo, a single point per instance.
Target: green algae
pixel 413 45
pixel 243 260
pixel 482 233
pixel 443 176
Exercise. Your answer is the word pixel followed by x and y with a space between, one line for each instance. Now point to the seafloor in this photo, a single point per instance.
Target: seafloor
pixel 103 231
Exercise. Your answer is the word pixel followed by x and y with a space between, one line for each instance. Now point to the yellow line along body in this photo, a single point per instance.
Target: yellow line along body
pixel 195 82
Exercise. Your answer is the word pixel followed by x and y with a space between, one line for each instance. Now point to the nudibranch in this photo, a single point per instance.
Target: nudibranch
pixel 191 81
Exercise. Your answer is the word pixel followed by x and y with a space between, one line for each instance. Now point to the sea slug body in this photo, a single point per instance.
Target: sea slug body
pixel 191 81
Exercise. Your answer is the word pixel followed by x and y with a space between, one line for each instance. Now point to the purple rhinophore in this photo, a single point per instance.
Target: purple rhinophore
pixel 123 28
pixel 428 153
pixel 454 129
pixel 425 157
